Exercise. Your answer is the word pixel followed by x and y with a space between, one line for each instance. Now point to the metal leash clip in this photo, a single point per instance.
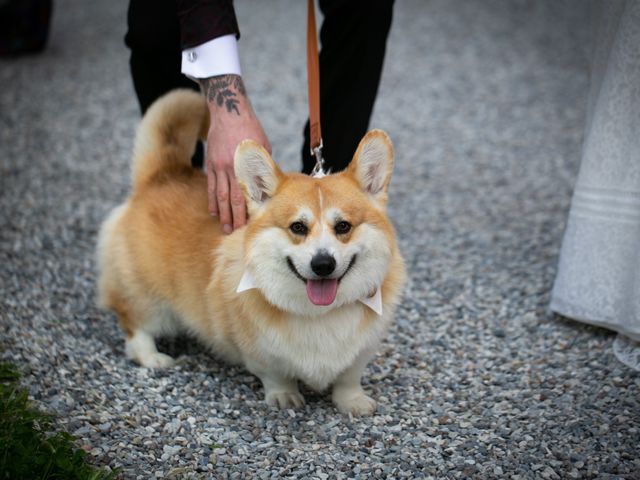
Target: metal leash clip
pixel 318 169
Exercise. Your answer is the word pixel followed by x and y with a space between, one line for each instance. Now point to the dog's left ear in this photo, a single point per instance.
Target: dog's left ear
pixel 256 172
pixel 372 164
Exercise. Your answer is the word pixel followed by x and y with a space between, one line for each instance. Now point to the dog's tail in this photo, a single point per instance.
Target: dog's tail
pixel 168 133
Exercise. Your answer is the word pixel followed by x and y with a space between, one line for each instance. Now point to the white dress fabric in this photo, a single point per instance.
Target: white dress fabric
pixel 598 280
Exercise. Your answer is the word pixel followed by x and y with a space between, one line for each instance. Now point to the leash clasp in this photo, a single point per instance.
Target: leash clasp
pixel 319 166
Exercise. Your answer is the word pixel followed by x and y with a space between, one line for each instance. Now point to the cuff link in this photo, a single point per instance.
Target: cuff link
pixel 192 56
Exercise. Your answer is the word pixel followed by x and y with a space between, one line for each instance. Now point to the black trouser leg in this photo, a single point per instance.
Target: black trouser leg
pixel 353 38
pixel 153 37
pixel 153 76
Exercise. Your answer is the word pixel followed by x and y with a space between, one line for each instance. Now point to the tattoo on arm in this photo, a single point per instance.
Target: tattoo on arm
pixel 224 90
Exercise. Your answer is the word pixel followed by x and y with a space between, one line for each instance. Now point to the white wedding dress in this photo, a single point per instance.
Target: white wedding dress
pixel 598 280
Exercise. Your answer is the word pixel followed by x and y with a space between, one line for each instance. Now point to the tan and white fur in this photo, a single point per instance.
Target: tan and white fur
pixel 164 264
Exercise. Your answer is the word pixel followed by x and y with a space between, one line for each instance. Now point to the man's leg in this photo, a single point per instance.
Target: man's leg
pixel 353 38
pixel 153 36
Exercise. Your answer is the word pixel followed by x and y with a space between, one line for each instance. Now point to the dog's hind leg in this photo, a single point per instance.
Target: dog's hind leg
pixel 141 347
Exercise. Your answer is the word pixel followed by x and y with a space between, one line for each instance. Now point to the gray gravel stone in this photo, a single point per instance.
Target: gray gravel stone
pixel 485 102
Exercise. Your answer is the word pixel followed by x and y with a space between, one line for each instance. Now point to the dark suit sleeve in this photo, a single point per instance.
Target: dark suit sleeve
pixel 204 20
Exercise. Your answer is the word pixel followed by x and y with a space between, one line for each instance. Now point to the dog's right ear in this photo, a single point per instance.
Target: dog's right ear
pixel 256 172
pixel 372 165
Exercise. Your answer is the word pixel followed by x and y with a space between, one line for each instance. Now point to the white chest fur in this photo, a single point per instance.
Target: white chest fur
pixel 317 349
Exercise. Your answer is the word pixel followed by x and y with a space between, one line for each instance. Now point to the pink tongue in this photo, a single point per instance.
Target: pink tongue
pixel 322 292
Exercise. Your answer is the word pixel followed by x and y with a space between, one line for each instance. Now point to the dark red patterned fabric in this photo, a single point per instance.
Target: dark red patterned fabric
pixel 204 20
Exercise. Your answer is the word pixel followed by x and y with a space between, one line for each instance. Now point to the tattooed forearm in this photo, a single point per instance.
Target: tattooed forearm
pixel 224 90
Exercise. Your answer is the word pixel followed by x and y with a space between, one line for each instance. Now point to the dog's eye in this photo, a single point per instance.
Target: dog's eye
pixel 298 228
pixel 342 227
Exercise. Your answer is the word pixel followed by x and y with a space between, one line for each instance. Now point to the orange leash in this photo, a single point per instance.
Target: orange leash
pixel 313 77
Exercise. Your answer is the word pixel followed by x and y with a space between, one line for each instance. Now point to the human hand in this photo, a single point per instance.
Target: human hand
pixel 232 120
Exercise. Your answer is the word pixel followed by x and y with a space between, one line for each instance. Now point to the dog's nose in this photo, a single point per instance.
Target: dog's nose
pixel 323 264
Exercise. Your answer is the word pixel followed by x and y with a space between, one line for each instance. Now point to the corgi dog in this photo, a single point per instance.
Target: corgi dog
pixel 305 291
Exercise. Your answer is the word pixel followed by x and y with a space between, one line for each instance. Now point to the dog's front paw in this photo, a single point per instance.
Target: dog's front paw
pixel 285 399
pixel 354 402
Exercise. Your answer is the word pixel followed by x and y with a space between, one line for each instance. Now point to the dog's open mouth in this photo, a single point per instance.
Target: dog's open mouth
pixel 322 291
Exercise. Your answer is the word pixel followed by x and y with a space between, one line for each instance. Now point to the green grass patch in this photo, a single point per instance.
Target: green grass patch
pixel 32 446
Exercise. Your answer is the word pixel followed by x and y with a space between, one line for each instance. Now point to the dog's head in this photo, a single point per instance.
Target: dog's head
pixel 318 242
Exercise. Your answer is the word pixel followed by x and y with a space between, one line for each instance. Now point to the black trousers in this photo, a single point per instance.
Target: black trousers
pixel 353 39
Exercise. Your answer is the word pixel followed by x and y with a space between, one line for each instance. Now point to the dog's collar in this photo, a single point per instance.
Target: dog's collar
pixel 373 301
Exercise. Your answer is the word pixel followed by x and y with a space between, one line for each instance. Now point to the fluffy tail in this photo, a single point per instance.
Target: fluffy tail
pixel 168 133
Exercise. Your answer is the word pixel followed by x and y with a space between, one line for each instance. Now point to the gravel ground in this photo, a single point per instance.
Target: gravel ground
pixel 485 102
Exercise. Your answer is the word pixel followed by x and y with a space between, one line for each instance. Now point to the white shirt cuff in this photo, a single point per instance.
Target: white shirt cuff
pixel 215 57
